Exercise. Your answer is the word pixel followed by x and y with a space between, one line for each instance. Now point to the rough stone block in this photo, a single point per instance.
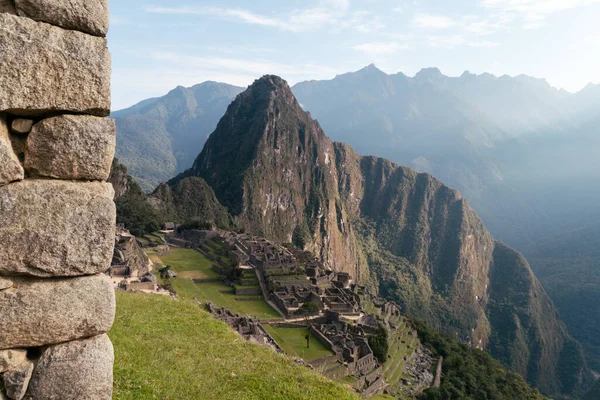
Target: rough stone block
pixel 47 69
pixel 21 126
pixel 38 312
pixel 16 380
pixel 74 371
pixel 90 16
pixel 9 359
pixel 5 283
pixel 71 147
pixel 10 168
pixel 56 228
pixel 7 6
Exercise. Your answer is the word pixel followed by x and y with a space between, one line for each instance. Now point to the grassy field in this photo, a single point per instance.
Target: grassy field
pixel 167 349
pixel 191 264
pixel 292 341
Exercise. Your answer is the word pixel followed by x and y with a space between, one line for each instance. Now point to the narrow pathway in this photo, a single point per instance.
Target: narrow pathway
pixel 265 291
pixel 438 374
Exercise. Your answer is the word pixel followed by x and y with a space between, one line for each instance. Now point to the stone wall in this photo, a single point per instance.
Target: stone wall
pixel 57 216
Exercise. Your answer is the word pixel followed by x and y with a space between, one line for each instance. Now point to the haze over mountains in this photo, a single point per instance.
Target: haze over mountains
pixel 159 138
pixel 523 153
pixel 408 236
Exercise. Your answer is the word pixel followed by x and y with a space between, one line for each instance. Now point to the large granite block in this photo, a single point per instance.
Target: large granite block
pixel 90 16
pixel 38 312
pixel 74 371
pixel 45 69
pixel 54 228
pixel 71 147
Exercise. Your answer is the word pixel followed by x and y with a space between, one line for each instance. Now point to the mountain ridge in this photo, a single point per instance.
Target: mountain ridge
pixel 411 238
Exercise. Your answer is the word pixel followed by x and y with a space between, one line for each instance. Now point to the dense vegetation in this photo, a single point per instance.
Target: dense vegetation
pixel 133 208
pixel 514 312
pixel 167 349
pixel 568 265
pixel 379 344
pixel 470 373
pixel 594 393
pixel 422 244
pixel 190 200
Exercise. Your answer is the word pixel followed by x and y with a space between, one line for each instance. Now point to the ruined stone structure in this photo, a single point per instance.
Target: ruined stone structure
pixel 57 213
pixel 248 328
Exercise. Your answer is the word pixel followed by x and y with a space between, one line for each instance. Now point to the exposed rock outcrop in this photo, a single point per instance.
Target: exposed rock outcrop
pixel 410 237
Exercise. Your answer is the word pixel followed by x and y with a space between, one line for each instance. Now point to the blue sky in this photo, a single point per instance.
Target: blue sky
pixel 159 44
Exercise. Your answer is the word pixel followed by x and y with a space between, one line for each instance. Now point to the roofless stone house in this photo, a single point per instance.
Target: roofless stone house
pixel 57 212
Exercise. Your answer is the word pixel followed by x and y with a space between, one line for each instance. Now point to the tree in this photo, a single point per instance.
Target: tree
pixel 307 310
pixel 379 344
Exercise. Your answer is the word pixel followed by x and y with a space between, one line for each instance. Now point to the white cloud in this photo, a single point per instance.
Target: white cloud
pixel 341 4
pixel 452 41
pixel 534 12
pixel 170 69
pixel 430 21
pixel 334 14
pixel 380 48
pixel 243 67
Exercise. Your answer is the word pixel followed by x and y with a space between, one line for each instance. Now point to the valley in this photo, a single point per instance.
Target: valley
pixel 511 157
pixel 404 235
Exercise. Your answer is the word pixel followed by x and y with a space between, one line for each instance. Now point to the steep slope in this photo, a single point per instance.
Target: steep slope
pixel 190 200
pixel 186 354
pixel 133 208
pixel 407 235
pixel 158 138
pixel 568 265
pixel 487 136
pixel 538 178
pixel 271 165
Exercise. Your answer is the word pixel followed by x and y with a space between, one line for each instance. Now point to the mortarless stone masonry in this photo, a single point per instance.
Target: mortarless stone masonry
pixel 57 216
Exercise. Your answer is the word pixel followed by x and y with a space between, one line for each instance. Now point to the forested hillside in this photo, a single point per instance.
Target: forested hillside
pixel 412 238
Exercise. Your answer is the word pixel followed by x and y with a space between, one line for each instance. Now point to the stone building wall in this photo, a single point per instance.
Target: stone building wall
pixel 57 216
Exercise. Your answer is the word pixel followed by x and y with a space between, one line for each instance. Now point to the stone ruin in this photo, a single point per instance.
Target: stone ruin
pixel 247 327
pixel 56 210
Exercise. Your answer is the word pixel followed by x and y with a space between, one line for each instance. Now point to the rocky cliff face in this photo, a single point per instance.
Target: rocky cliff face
pixel 273 167
pixel 120 179
pixel 407 235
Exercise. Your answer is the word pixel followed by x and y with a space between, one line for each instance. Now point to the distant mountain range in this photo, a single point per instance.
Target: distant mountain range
pixel 159 138
pixel 406 235
pixel 524 154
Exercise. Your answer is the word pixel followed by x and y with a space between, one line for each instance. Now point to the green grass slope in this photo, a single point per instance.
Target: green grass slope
pixel 167 349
